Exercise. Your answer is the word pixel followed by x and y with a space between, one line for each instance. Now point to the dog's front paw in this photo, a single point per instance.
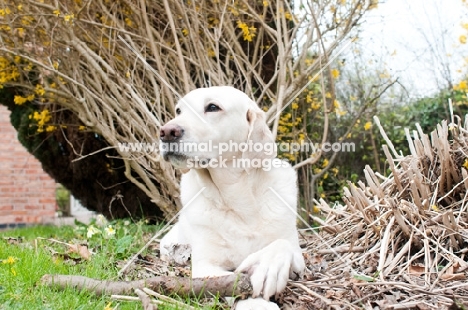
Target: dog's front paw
pixel 256 304
pixel 271 267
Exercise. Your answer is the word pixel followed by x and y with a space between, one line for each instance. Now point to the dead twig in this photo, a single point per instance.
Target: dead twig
pixel 230 285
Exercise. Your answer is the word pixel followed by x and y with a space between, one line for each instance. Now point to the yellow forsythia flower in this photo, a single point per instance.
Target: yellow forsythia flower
pixel 20 100
pixel 248 32
pixel 69 18
pixel 462 39
pixel 465 164
pixel 50 128
pixel 335 73
pixel 40 90
pixel 463 85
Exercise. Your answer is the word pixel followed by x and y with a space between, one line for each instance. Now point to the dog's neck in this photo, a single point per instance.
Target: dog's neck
pixel 229 182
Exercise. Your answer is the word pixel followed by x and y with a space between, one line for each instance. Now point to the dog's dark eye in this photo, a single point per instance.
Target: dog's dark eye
pixel 212 108
pixel 177 111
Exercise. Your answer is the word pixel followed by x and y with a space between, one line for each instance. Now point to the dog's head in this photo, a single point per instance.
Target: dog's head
pixel 216 122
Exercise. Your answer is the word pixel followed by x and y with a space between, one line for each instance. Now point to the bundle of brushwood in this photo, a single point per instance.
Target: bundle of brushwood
pixel 399 241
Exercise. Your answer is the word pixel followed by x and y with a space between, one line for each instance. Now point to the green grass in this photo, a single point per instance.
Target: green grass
pixel 24 261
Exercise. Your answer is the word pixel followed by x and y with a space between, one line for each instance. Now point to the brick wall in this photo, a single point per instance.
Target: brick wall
pixel 27 193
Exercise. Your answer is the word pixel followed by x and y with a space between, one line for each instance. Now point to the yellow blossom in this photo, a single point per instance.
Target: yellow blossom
pixel 4 12
pixel 325 163
pixel 69 18
pixel 129 22
pixel 56 12
pixel 10 260
pixel 462 39
pixel 315 105
pixel 185 32
pixel 20 100
pixel 248 32
pixel 40 90
pixel 51 128
pixel 465 164
pixel 27 20
pixel 265 3
pixel 81 128
pixel 316 209
pixel 41 118
pixel 435 208
pixel 335 73
pixel 108 306
pixel 55 64
pixel 301 137
pixel 20 7
pixel 294 106
pixel 367 126
pixel 211 53
pixel 233 10
pixel 463 85
pixel 335 171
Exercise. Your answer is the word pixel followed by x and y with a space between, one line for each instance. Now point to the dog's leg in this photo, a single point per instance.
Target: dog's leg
pixel 172 238
pixel 255 304
pixel 271 267
pixel 202 270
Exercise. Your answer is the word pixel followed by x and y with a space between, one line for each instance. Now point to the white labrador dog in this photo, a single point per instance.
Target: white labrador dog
pixel 239 211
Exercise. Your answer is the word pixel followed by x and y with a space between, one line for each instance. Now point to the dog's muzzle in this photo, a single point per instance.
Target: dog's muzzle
pixel 171 133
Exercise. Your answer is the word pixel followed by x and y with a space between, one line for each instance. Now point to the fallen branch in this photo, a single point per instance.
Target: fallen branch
pixel 230 285
pixel 145 300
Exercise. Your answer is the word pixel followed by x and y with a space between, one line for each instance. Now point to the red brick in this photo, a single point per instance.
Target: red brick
pixel 27 194
pixel 7 219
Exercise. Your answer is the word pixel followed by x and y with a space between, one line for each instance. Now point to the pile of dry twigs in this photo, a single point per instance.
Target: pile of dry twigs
pixel 399 241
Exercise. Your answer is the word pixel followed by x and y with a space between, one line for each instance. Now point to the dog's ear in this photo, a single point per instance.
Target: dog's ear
pixel 263 144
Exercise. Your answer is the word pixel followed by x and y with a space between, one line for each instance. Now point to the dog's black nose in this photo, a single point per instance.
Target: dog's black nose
pixel 170 133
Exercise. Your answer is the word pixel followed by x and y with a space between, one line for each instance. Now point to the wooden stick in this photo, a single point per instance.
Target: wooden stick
pixel 230 285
